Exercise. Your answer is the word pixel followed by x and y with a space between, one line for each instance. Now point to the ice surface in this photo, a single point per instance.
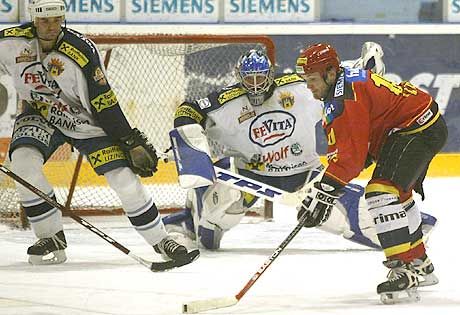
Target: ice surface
pixel 318 273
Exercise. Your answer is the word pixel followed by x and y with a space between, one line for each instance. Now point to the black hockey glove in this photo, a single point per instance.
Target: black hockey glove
pixel 318 204
pixel 141 155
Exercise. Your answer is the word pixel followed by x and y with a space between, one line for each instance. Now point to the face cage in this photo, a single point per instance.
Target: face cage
pixel 256 88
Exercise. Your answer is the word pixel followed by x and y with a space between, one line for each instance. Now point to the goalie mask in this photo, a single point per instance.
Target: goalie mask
pixel 46 8
pixel 255 73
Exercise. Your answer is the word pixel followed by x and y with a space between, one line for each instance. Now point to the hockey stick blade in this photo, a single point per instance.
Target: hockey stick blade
pixel 194 307
pixel 171 264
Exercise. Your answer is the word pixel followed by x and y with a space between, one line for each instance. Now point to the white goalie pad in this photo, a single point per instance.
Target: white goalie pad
pixel 192 155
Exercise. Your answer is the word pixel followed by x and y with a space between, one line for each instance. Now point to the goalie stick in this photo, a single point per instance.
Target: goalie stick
pixel 153 266
pixel 263 190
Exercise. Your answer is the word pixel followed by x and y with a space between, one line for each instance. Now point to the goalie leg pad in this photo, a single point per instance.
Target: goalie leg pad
pixel 137 203
pixel 215 210
pixel 192 155
pixel 45 220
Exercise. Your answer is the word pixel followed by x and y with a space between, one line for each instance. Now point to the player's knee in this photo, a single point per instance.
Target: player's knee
pixel 123 181
pixel 380 199
pixel 27 162
pixel 128 188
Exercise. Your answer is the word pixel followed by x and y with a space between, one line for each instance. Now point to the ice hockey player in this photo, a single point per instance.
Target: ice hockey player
pixel 267 126
pixel 400 128
pixel 66 97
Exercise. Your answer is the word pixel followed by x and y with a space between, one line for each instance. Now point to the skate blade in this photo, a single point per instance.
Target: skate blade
pixel 53 258
pixel 396 297
pixel 428 280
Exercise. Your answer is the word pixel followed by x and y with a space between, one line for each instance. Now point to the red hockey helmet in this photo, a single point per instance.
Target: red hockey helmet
pixel 317 58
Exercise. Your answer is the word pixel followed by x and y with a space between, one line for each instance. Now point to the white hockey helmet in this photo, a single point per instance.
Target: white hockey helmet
pixel 46 8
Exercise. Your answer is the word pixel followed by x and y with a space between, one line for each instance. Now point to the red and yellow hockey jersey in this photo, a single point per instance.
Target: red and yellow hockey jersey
pixel 361 111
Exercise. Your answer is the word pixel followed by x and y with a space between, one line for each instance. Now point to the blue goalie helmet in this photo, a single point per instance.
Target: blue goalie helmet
pixel 256 74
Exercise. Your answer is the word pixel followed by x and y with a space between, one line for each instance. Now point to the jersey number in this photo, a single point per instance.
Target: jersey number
pixel 404 88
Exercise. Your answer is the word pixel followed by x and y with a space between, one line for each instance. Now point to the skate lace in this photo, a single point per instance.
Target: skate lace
pixel 396 273
pixel 422 267
pixel 43 242
pixel 170 246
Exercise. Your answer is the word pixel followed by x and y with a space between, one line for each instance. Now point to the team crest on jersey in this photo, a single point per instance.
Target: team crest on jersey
pixel 41 107
pixel 99 76
pixel 286 100
pixel 271 127
pixel 296 149
pixel 26 56
pixel 246 113
pixel 204 103
pixel 55 67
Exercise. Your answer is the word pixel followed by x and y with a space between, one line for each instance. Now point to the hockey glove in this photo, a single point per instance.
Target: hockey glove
pixel 141 154
pixel 318 204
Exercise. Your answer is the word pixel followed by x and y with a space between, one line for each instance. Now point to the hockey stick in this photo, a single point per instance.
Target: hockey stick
pixel 215 303
pixel 252 186
pixel 263 190
pixel 268 192
pixel 153 266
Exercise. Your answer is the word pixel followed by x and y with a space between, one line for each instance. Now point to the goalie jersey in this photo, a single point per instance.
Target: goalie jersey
pixel 67 86
pixel 276 138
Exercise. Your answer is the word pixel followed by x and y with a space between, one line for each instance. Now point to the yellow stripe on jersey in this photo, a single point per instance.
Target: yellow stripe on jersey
pixel 18 32
pixel 375 187
pixel 104 101
pixel 286 79
pixel 73 53
pixel 106 155
pixel 188 111
pixel 230 95
pixel 398 249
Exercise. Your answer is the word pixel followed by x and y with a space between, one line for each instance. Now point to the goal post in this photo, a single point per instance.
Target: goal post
pixel 151 75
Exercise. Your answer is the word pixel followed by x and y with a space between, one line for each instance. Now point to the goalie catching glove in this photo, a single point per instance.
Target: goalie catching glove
pixel 318 204
pixel 141 154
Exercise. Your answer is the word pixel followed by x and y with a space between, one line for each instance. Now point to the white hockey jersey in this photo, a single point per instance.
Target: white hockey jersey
pixel 67 86
pixel 274 139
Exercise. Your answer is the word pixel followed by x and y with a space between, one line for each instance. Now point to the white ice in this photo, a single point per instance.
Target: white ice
pixel 317 274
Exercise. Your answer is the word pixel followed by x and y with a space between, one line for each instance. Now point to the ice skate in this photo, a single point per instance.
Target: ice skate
pixel 49 250
pixel 401 285
pixel 171 250
pixel 425 270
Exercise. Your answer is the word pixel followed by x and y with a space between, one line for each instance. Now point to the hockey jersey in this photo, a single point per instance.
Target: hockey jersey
pixel 276 138
pixel 361 110
pixel 67 86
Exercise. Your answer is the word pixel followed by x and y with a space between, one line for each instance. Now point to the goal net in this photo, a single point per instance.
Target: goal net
pixel 151 75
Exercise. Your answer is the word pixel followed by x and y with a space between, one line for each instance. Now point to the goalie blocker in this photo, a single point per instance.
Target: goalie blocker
pixel 192 155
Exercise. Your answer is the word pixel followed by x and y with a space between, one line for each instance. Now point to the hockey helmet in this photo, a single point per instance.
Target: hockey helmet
pixel 46 8
pixel 255 73
pixel 317 58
